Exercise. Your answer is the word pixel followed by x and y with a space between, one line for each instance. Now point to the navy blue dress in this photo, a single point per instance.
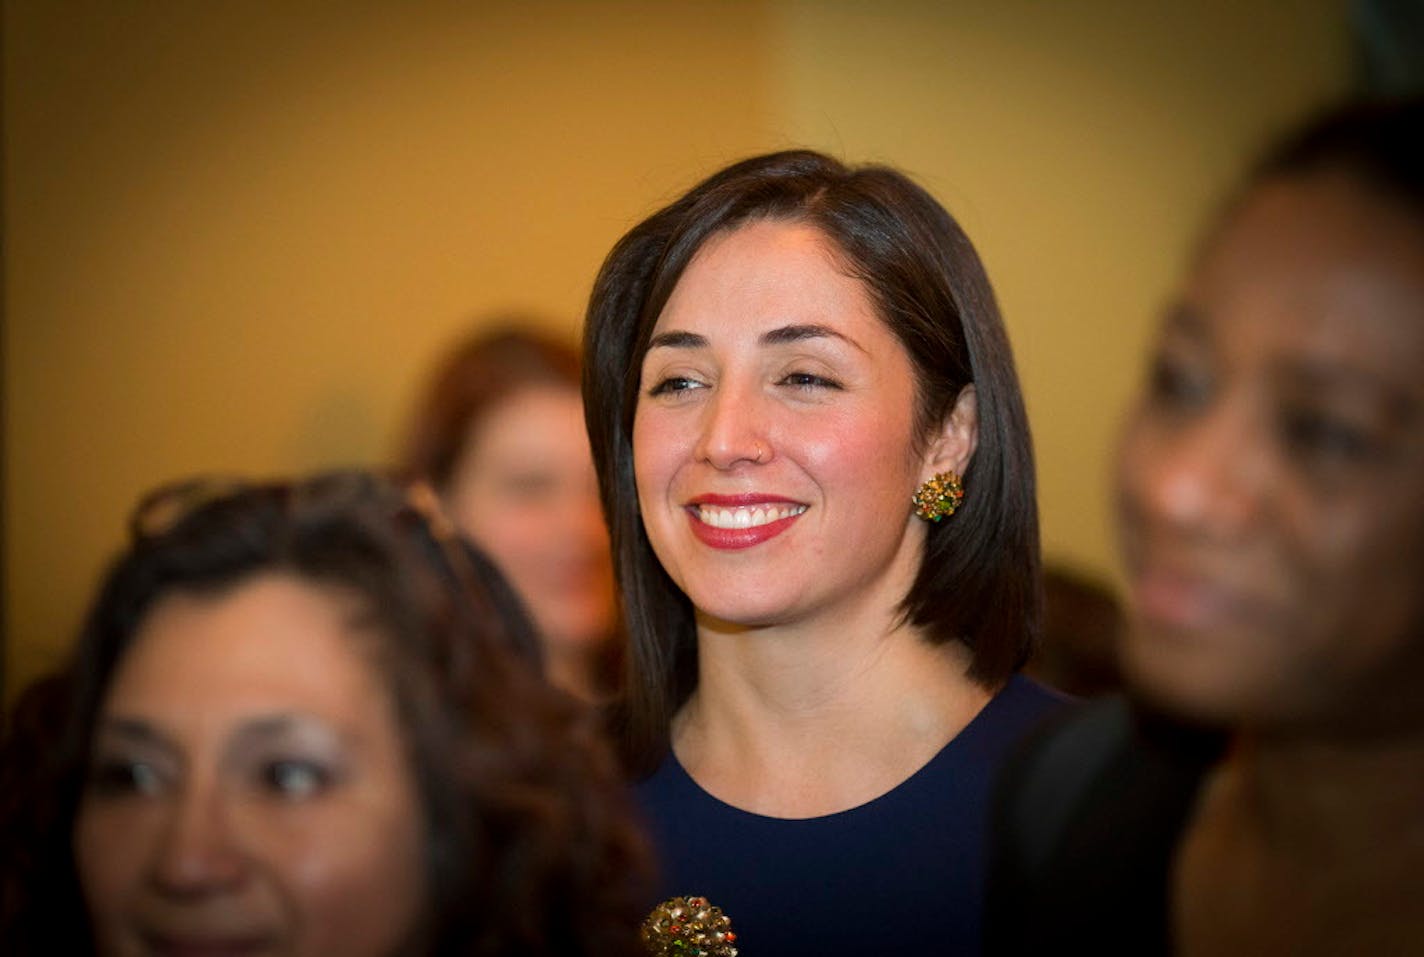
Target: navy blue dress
pixel 902 874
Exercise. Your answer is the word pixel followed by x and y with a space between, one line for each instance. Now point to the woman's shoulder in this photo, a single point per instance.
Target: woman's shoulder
pixel 1020 707
pixel 1085 815
pixel 666 781
pixel 1031 698
pixel 1087 750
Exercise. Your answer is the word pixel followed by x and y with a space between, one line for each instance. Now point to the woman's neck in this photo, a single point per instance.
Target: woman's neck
pixel 1306 846
pixel 1325 798
pixel 800 722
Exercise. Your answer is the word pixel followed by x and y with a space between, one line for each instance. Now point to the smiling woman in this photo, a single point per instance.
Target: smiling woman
pixel 1263 792
pixel 820 397
pixel 822 670
pixel 298 722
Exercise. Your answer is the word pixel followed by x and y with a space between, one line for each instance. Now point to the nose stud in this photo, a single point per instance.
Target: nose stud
pixel 760 453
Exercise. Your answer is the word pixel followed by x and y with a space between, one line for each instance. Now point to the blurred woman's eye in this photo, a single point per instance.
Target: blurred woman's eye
pixel 117 777
pixel 296 778
pixel 1176 384
pixel 530 486
pixel 1320 437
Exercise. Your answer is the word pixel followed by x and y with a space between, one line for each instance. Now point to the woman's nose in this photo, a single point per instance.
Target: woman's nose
pixel 197 851
pixel 734 429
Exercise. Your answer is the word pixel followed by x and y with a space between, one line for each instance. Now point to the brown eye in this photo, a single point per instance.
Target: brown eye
pixel 1175 384
pixel 295 779
pixel 531 486
pixel 1318 436
pixel 117 777
pixel 674 385
pixel 809 381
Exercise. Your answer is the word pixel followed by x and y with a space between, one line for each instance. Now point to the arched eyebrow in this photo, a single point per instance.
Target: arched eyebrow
pixel 677 340
pixel 1321 377
pixel 291 728
pixel 272 725
pixel 267 726
pixel 1183 317
pixel 781 335
pixel 135 731
pixel 786 334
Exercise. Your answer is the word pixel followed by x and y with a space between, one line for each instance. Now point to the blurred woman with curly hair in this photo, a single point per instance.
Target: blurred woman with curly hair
pixel 297 721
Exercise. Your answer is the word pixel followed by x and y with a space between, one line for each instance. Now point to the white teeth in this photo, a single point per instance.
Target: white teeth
pixel 746 517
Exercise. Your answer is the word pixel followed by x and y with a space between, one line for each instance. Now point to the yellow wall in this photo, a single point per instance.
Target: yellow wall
pixel 238 234
pixel 1081 144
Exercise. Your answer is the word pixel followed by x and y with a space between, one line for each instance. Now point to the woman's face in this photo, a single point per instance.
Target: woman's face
pixel 773 438
pixel 1271 478
pixel 248 790
pixel 525 489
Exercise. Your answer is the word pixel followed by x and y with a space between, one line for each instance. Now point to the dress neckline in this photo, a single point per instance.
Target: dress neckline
pixel 963 739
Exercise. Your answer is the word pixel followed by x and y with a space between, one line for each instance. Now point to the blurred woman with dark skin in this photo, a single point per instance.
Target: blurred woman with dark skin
pixel 813 455
pixel 1264 794
pixel 296 723
pixel 499 435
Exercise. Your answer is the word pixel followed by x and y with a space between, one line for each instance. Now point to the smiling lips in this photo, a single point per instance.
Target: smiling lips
pixel 1188 602
pixel 746 517
pixel 741 522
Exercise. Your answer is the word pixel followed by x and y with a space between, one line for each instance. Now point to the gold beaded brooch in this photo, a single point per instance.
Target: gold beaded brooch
pixel 689 927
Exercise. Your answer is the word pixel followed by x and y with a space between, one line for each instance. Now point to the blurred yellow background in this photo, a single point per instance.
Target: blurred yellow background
pixel 237 235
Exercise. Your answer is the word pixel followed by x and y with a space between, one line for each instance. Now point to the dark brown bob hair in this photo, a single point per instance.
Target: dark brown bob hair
pixel 482 371
pixel 530 847
pixel 978 581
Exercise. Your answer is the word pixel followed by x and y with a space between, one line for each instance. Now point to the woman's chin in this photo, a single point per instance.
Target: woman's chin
pixel 1188 680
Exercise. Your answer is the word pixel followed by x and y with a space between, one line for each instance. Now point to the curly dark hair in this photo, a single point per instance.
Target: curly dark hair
pixel 531 848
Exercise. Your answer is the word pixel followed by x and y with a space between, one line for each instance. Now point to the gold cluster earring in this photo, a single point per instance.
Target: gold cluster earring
pixel 938 496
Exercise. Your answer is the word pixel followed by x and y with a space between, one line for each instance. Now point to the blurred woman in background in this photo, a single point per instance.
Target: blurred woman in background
pixel 295 723
pixel 499 435
pixel 1264 792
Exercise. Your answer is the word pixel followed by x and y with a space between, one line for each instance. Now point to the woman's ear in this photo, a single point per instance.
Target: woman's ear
pixel 953 446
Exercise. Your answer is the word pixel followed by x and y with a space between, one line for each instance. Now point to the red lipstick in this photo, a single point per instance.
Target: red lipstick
pixel 732 522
